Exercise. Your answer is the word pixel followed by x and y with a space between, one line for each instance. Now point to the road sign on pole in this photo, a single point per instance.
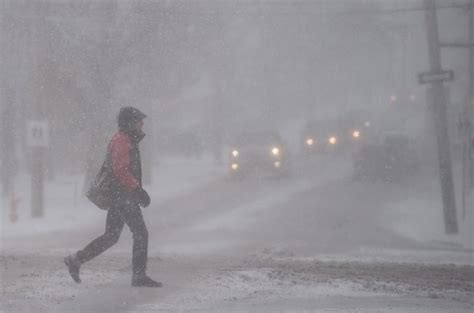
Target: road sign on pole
pixel 37 133
pixel 37 138
pixel 430 77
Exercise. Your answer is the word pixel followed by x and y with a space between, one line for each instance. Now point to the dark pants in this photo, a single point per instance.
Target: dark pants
pixel 116 218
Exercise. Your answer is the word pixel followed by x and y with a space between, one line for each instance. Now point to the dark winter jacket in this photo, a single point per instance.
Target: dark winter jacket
pixel 120 177
pixel 119 181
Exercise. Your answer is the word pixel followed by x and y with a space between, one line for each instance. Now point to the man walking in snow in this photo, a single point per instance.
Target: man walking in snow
pixel 125 195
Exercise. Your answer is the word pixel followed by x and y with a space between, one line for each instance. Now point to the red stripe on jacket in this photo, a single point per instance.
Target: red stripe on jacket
pixel 119 148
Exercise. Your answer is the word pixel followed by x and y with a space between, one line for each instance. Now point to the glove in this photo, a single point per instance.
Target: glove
pixel 143 197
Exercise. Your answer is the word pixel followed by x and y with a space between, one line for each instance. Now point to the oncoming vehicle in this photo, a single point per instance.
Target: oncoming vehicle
pixel 260 153
pixel 324 137
pixel 321 137
pixel 395 158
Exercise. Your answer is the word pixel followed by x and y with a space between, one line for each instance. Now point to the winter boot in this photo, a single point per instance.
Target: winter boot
pixel 73 265
pixel 142 280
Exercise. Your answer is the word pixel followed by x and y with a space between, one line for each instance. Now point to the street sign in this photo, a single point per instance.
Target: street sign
pixel 429 77
pixel 37 133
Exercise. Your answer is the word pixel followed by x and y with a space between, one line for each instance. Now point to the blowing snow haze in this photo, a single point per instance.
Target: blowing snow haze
pixel 281 136
pixel 200 66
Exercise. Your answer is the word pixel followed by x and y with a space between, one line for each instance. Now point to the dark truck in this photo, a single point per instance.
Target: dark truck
pixel 394 158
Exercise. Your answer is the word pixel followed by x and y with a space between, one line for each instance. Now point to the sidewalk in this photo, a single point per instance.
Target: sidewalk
pixel 422 218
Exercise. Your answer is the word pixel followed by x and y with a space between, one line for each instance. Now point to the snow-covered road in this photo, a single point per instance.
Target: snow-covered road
pixel 315 242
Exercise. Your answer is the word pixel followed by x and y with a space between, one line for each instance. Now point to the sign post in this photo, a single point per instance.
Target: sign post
pixel 37 138
pixel 431 77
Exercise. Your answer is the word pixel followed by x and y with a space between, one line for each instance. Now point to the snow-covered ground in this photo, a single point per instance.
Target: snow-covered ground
pixel 66 208
pixel 421 218
pixel 315 242
pixel 269 284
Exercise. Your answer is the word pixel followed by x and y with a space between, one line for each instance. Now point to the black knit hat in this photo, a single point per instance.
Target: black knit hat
pixel 129 116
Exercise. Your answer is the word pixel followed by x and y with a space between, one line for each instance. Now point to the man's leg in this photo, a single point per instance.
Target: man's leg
pixel 132 216
pixel 113 229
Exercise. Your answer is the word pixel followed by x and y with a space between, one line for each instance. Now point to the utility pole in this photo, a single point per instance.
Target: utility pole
pixel 7 141
pixel 36 132
pixel 7 110
pixel 466 121
pixel 436 94
pixel 4 109
pixel 470 103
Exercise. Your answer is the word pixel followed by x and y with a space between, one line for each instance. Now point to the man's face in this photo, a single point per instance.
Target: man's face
pixel 139 125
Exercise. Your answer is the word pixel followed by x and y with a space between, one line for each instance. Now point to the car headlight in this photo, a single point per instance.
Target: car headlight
pixel 356 134
pixel 275 151
pixel 235 166
pixel 309 141
pixel 333 140
pixel 277 164
pixel 235 153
